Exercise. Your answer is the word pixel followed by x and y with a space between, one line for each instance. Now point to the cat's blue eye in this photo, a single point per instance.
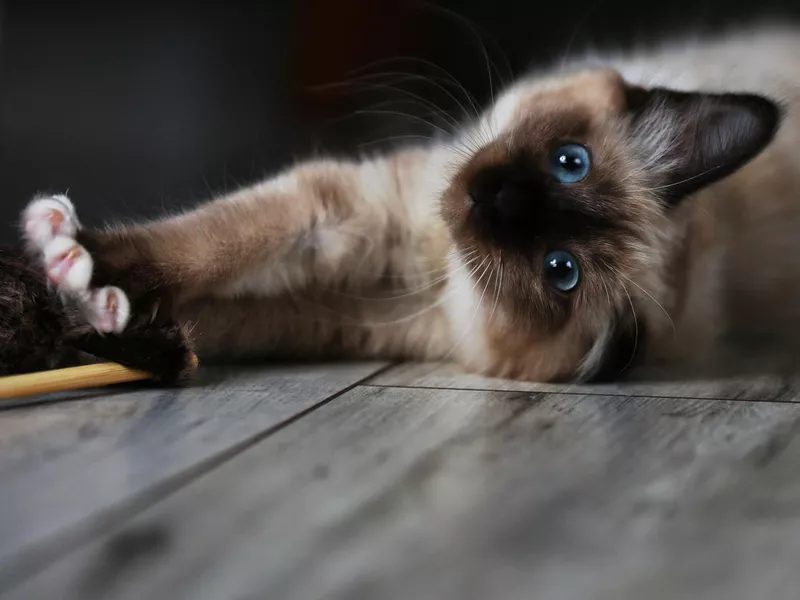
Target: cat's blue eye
pixel 570 163
pixel 561 270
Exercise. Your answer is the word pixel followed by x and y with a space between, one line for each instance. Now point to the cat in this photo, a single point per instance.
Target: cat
pixel 612 211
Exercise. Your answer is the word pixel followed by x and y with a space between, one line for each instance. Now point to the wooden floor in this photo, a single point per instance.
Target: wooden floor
pixel 402 482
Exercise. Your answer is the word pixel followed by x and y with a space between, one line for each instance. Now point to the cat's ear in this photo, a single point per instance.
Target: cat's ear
pixel 696 139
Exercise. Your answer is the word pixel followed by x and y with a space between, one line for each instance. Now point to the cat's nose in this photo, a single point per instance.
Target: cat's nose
pixel 500 193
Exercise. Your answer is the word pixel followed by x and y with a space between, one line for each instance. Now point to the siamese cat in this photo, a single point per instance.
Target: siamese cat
pixel 623 209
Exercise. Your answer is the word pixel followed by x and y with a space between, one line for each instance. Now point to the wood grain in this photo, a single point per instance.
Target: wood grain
pixel 410 493
pixel 773 388
pixel 70 467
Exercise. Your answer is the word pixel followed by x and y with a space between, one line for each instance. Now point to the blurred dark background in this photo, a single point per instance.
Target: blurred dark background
pixel 136 108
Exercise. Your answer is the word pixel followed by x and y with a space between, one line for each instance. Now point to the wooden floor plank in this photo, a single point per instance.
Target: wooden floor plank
pixel 411 493
pixel 771 388
pixel 65 465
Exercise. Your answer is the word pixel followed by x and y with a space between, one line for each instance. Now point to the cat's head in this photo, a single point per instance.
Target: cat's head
pixel 564 215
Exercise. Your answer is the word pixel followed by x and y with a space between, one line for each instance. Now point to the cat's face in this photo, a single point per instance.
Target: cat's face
pixel 563 216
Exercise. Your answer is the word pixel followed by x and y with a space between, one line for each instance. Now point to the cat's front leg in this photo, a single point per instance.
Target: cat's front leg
pixel 321 223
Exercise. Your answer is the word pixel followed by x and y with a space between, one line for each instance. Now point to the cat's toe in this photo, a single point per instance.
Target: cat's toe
pixel 47 218
pixel 108 309
pixel 51 226
pixel 68 265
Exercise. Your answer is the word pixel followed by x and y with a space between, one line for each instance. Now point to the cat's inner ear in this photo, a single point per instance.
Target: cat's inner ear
pixel 696 139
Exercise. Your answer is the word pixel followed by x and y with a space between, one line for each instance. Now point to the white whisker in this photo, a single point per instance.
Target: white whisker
pixel 441 300
pixel 474 313
pixel 636 332
pixel 499 285
pixel 649 295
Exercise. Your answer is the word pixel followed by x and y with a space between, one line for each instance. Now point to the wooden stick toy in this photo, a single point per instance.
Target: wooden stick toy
pixel 70 378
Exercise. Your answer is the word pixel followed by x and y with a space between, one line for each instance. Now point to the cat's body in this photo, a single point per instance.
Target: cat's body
pixel 441 251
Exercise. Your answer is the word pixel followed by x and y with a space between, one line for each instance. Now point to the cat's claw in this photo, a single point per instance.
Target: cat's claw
pixel 50 227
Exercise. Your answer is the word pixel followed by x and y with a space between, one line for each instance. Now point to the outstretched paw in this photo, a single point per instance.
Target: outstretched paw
pixel 51 225
pixel 48 217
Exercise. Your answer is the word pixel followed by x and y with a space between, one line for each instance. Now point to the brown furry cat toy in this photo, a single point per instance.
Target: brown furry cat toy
pixel 40 330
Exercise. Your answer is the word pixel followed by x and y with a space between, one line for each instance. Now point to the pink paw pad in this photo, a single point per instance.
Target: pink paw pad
pixel 68 265
pixel 47 218
pixel 108 309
